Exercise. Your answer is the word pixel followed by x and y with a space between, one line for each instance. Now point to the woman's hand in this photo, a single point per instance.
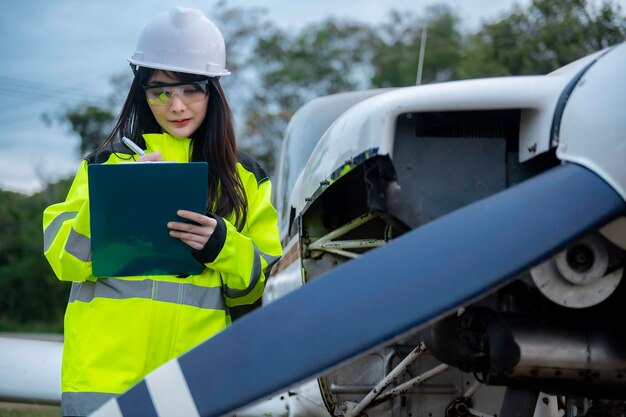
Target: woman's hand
pixel 194 235
pixel 154 156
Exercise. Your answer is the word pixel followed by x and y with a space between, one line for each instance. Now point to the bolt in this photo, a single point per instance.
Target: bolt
pixel 461 408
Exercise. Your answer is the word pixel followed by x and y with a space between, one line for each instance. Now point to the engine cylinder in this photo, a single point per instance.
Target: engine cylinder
pixel 560 358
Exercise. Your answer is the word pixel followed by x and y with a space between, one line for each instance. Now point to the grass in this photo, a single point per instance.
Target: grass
pixel 8 409
pixel 28 410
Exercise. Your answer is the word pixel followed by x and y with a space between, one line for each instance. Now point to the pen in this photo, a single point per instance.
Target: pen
pixel 132 145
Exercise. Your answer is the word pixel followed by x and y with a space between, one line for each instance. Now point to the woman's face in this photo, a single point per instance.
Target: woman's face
pixel 180 109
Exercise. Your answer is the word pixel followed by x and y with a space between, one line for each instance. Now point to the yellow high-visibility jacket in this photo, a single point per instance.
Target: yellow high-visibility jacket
pixel 119 329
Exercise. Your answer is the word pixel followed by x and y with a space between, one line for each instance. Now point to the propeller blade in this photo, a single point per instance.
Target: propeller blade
pixel 410 282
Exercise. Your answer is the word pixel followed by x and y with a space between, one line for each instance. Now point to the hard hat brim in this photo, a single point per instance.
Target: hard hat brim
pixel 159 66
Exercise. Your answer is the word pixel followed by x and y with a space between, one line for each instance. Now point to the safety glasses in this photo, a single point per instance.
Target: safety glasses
pixel 163 94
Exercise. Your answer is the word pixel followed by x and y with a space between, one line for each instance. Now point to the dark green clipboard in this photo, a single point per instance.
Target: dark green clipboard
pixel 130 205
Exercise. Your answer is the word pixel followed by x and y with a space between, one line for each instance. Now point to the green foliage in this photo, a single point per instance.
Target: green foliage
pixel 293 68
pixel 91 123
pixel 541 38
pixel 31 294
pixel 397 51
pixel 241 27
pixel 335 56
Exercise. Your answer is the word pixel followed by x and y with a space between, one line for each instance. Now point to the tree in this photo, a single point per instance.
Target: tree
pixel 396 53
pixel 31 294
pixel 293 68
pixel 93 122
pixel 336 56
pixel 241 27
pixel 546 35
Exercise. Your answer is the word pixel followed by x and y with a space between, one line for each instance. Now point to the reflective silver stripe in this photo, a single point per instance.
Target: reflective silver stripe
pixel 82 403
pixel 269 259
pixel 168 292
pixel 74 291
pixel 255 274
pixel 197 296
pixel 53 228
pixel 79 246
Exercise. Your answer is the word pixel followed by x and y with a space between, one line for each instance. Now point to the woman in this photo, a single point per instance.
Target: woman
pixel 119 329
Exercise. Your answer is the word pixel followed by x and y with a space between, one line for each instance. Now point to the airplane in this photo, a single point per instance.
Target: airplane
pixel 450 249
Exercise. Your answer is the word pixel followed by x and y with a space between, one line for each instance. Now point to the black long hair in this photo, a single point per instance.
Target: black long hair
pixel 213 142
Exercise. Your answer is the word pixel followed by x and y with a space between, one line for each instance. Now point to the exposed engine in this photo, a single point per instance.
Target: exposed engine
pixel 551 332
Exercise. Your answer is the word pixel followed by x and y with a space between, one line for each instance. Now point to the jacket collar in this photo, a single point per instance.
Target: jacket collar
pixel 172 148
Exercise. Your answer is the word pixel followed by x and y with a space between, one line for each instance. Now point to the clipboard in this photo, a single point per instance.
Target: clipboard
pixel 130 205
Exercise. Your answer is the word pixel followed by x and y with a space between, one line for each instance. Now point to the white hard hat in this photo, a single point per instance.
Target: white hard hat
pixel 182 40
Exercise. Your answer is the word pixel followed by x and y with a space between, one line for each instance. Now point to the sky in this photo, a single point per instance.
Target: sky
pixel 60 53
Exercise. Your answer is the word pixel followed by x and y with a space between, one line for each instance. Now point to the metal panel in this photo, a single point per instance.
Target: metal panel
pixel 440 175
